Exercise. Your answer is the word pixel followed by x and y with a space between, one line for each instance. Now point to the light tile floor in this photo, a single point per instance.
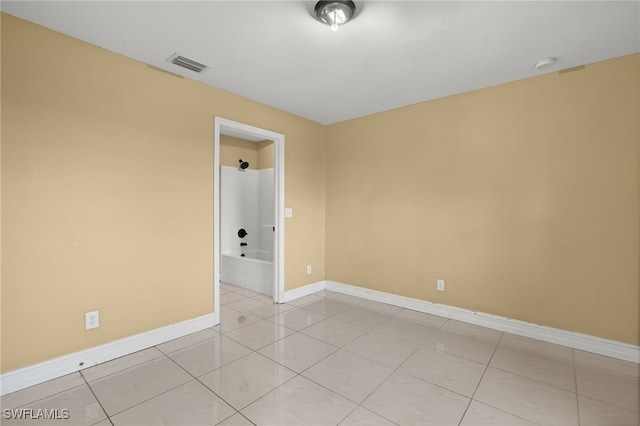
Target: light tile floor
pixel 330 359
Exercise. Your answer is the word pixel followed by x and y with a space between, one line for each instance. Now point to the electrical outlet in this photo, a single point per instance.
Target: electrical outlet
pixel 440 285
pixel 308 269
pixel 91 320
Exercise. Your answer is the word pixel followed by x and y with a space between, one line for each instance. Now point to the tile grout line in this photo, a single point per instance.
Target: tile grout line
pixel 261 396
pixel 271 319
pixel 482 377
pixel 258 353
pixel 96 397
pixel 367 330
pixel 207 387
pixel 575 380
pixel 515 374
pixel 274 318
pixel 125 368
pixel 162 393
pixel 148 399
pixel 324 298
pixel 541 382
pixel 333 391
pixel 322 359
pixel 613 404
pixel 187 346
pixel 384 380
pixel 47 396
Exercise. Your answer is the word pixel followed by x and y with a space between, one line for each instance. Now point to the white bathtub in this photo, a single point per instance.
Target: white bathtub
pixel 253 272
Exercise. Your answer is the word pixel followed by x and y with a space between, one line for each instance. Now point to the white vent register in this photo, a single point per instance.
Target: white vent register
pixel 187 63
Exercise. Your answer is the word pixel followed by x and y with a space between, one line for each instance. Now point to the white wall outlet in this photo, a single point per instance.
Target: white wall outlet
pixel 308 269
pixel 440 285
pixel 91 320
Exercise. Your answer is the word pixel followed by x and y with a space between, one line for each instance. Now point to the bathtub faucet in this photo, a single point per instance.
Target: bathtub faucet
pixel 243 244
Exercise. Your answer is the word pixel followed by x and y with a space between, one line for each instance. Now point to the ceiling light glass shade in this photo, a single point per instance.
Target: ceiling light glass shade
pixel 335 13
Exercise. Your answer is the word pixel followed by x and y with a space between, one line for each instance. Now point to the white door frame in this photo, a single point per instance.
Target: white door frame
pixel 233 128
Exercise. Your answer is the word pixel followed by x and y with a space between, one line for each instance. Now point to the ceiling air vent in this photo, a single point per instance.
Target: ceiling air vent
pixel 187 63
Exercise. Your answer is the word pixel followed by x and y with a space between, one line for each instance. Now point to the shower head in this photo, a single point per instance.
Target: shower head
pixel 243 164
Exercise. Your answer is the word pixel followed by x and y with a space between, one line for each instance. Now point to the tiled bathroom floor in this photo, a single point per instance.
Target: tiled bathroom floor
pixel 330 359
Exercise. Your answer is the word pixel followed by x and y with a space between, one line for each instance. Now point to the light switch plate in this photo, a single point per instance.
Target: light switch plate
pixel 288 212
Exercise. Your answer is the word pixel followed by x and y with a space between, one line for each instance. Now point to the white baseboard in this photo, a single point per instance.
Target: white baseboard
pixel 585 342
pixel 38 373
pixel 305 290
pixel 67 364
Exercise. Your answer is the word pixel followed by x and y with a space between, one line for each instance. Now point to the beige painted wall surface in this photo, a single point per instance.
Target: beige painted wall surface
pixel 233 149
pixel 265 155
pixel 524 197
pixel 107 194
pixel 258 154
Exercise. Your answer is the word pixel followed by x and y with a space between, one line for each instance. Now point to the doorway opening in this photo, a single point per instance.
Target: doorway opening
pixel 260 234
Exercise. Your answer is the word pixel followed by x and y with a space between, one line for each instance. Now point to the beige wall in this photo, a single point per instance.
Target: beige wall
pixel 265 155
pixel 107 194
pixel 260 155
pixel 233 149
pixel 524 197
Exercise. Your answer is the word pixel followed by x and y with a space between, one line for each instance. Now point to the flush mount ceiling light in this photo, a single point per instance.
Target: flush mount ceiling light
pixel 335 13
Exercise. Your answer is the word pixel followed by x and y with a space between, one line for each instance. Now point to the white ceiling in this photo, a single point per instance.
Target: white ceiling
pixel 394 53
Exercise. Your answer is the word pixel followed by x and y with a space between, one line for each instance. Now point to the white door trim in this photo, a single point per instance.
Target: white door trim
pixel 246 131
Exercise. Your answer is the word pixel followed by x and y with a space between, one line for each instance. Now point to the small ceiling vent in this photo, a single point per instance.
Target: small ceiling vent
pixel 187 63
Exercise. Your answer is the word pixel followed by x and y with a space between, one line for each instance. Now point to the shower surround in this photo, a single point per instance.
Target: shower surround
pixel 247 202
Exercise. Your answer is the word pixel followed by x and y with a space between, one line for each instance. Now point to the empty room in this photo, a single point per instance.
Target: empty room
pixel 320 213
